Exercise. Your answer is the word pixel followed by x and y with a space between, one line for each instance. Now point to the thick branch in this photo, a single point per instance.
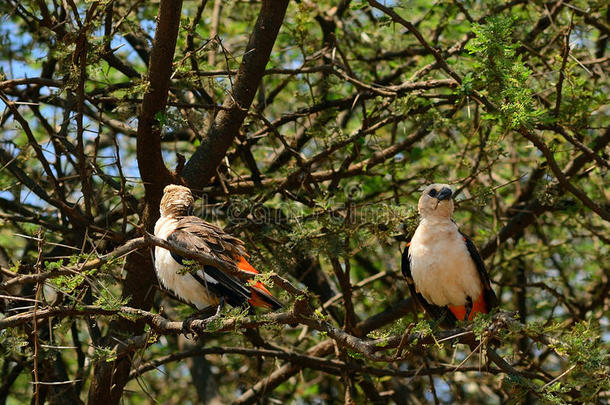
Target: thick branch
pixel 202 165
pixel 150 160
pixel 110 377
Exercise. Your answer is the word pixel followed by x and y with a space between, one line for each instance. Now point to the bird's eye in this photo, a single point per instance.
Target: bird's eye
pixel 432 193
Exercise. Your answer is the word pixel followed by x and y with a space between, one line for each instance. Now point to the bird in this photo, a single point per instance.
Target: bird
pixel 206 285
pixel 444 271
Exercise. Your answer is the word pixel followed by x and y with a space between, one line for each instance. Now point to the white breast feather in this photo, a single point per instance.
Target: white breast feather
pixel 441 266
pixel 183 285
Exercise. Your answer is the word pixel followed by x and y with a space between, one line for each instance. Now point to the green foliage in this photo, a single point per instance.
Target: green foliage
pixel 104 354
pixel 481 324
pixel 12 342
pixel 67 283
pixel 237 314
pixel 502 73
pixel 107 300
pixel 354 355
pixel 161 117
pixel 189 266
pixel 264 278
pixel 588 358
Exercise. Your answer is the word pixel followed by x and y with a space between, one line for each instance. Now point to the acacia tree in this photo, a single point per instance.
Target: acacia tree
pixel 307 129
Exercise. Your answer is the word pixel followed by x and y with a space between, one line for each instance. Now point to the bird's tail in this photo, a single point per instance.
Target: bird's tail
pixel 260 299
pixel 261 296
pixel 479 306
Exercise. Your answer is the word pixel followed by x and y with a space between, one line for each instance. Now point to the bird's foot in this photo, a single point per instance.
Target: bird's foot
pixel 195 324
pixel 187 329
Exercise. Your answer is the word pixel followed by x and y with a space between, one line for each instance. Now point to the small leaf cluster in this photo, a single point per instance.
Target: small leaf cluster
pixel 502 73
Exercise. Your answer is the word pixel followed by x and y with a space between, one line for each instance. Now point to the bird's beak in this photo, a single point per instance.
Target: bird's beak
pixel 444 194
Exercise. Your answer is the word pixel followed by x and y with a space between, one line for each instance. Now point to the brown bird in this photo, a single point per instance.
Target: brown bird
pixel 208 285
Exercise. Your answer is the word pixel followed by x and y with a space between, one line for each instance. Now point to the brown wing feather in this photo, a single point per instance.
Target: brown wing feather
pixel 211 239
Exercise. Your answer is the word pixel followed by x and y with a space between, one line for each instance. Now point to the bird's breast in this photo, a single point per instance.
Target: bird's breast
pixel 441 266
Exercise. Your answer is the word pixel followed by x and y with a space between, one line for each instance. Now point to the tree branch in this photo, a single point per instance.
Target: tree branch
pixel 201 167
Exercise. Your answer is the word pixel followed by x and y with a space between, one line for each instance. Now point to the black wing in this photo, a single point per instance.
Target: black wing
pixel 216 281
pixel 442 314
pixel 488 293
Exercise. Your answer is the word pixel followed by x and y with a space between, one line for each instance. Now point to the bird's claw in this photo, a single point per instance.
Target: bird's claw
pixel 186 329
pixel 189 329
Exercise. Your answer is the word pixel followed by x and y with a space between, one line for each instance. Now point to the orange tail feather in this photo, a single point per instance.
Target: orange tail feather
pixel 245 266
pixel 478 307
pixel 256 300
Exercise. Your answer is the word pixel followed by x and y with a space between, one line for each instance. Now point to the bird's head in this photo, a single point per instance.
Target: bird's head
pixel 436 202
pixel 176 201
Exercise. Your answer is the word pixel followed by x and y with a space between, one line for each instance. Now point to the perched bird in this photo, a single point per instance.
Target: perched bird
pixel 207 286
pixel 443 268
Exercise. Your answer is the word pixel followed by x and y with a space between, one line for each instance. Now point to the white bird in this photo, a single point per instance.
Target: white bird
pixel 443 268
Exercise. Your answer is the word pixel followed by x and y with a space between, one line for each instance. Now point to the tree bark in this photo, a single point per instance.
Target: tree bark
pixel 201 167
pixel 110 377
